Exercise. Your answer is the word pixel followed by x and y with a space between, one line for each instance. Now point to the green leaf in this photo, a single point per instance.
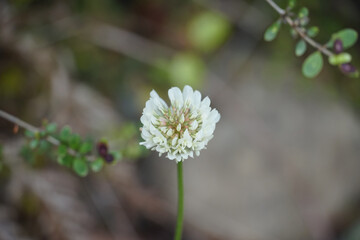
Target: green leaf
pixel 51 128
pixel 348 37
pixel 312 65
pixel 33 143
pixel 300 48
pixel 340 59
pixel 80 167
pixel 29 134
pixel 291 4
pixel 97 165
pixel 75 141
pixel 66 160
pixel 117 156
pixel 86 147
pixel 272 31
pixel 44 146
pixel 208 30
pixel 42 133
pixel 65 134
pixel 303 12
pixel 313 31
pixel 62 150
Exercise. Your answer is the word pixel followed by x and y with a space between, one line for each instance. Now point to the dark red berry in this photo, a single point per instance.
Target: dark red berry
pixel 109 158
pixel 338 46
pixel 347 68
pixel 102 149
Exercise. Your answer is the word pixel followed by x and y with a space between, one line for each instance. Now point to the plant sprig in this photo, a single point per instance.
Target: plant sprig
pixel 71 150
pixel 313 64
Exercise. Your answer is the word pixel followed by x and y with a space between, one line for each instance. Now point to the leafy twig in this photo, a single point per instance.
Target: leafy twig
pixel 299 30
pixel 30 127
pixel 72 151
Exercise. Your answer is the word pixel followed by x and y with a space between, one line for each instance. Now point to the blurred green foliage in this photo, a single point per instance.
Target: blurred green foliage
pixel 187 69
pixel 70 150
pixel 208 30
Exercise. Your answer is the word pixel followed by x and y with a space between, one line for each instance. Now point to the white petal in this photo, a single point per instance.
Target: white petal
pixel 171 156
pixel 196 99
pixel 144 120
pixel 188 95
pixel 176 97
pixel 214 116
pixel 178 158
pixel 194 125
pixel 205 103
pixel 158 101
pixel 145 133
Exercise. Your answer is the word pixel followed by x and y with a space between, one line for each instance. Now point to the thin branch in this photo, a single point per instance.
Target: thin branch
pixel 31 128
pixel 299 30
pixel 17 121
pixel 276 7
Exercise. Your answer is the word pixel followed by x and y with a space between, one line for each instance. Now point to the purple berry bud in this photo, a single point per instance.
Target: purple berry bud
pixel 102 149
pixel 109 158
pixel 338 46
pixel 347 68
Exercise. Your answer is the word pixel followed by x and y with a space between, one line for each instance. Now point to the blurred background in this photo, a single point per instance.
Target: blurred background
pixel 284 162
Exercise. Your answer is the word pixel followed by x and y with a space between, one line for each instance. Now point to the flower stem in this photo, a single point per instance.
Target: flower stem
pixel 180 210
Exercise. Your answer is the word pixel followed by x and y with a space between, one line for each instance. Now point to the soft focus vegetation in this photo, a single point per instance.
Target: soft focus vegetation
pixel 80 72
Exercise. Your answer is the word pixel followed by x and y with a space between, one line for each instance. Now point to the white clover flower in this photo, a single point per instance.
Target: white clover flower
pixel 184 127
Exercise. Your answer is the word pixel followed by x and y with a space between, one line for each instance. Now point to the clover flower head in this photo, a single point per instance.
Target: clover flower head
pixel 181 129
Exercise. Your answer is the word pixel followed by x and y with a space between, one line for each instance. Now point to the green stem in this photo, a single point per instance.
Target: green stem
pixel 180 211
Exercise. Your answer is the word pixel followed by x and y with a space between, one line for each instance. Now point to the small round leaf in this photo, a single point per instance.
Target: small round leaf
pixel 291 4
pixel 86 147
pixel 303 12
pixel 62 150
pixel 348 37
pixel 66 160
pixel 312 65
pixel 29 134
pixel 313 31
pixel 33 143
pixel 97 165
pixel 272 31
pixel 65 134
pixel 75 141
pixel 300 48
pixel 80 167
pixel 51 128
